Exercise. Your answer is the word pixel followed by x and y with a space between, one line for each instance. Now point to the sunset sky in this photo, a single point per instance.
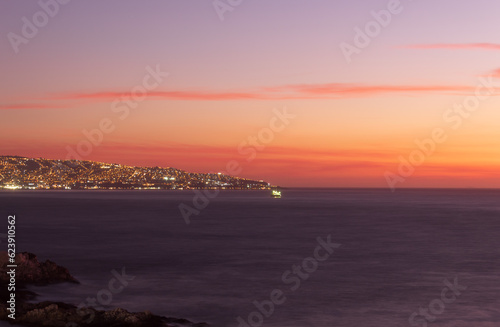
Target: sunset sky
pixel 354 119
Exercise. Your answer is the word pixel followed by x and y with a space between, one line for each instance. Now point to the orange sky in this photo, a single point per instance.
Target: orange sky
pixel 102 92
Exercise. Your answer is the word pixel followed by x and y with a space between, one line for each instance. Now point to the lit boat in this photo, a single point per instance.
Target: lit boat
pixel 276 194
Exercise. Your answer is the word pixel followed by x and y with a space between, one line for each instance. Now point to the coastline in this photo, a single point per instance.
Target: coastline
pixel 30 271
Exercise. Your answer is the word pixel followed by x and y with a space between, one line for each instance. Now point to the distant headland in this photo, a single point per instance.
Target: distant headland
pixel 38 173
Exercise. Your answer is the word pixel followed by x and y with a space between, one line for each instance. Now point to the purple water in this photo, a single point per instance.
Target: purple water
pixel 397 249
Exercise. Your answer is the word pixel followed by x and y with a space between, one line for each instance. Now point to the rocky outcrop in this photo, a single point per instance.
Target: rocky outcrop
pixel 58 314
pixel 30 271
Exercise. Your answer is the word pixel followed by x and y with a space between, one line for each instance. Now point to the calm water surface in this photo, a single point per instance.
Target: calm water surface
pixel 397 248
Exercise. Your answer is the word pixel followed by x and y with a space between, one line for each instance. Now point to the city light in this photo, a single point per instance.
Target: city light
pixel 38 173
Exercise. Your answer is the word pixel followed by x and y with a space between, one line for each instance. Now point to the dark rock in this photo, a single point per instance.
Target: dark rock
pixel 57 314
pixel 30 271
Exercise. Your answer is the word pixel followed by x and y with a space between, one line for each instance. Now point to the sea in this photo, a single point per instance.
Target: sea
pixel 314 258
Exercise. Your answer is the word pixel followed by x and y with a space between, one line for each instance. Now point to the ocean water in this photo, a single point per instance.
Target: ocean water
pixel 396 250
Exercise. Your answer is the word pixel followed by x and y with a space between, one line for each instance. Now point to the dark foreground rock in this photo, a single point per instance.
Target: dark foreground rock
pixel 59 314
pixel 30 271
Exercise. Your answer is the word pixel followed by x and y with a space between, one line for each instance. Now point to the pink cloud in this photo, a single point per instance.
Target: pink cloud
pixel 354 90
pixel 283 92
pixel 286 92
pixel 29 106
pixel 173 95
pixel 485 46
pixel 495 73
